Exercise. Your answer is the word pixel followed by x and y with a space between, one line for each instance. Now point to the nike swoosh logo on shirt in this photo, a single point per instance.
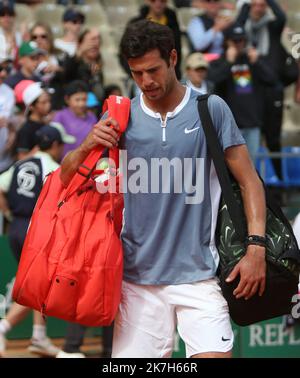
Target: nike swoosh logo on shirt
pixel 188 131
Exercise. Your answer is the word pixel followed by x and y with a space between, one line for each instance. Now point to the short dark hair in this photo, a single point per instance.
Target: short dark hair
pixel 76 86
pixel 143 36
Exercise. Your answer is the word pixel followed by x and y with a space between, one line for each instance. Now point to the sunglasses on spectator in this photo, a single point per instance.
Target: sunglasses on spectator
pixel 37 36
pixel 3 68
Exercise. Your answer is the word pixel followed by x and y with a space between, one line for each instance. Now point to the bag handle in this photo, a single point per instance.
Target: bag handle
pixel 118 108
pixel 217 156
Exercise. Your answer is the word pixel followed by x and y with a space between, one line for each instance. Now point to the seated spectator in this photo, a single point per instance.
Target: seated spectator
pixel 49 70
pixel 87 64
pixel 10 38
pixel 29 57
pixel 196 74
pixel 240 76
pixel 72 21
pixel 7 103
pixel 264 30
pixel 205 32
pixel 49 65
pixel 76 119
pixel 158 11
pixel 38 106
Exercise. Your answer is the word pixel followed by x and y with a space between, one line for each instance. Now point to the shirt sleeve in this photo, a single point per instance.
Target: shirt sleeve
pixel 6 179
pixel 199 37
pixel 224 122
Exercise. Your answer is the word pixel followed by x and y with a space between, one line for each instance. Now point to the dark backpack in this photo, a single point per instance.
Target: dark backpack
pixel 282 253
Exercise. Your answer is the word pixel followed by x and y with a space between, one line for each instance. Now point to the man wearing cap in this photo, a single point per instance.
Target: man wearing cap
pixel 19 190
pixel 29 57
pixel 240 76
pixel 72 20
pixel 196 69
pixel 38 106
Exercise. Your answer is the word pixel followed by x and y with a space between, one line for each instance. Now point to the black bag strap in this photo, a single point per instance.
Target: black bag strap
pixel 217 156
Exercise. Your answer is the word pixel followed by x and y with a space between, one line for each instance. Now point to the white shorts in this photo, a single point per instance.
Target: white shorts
pixel 148 315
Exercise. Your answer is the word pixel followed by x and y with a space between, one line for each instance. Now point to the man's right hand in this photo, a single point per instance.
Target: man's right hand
pixel 104 133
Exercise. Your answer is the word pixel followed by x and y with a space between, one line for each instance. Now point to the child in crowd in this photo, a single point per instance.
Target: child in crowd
pixel 76 118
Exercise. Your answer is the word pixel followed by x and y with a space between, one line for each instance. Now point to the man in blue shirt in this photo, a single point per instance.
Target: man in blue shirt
pixel 171 199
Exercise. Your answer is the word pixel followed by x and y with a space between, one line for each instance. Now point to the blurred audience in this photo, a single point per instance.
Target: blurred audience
pixel 86 65
pixel 11 39
pixel 72 20
pixel 38 106
pixel 49 70
pixel 19 190
pixel 196 71
pixel 205 31
pixel 29 58
pixel 75 118
pixel 264 31
pixel 7 103
pixel 240 76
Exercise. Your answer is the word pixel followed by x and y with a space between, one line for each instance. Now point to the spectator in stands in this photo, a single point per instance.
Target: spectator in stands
pixel 76 118
pixel 73 20
pixel 49 70
pixel 264 33
pixel 86 65
pixel 49 64
pixel 38 106
pixel 158 11
pixel 205 32
pixel 29 57
pixel 196 70
pixel 7 103
pixel 19 190
pixel 10 38
pixel 240 76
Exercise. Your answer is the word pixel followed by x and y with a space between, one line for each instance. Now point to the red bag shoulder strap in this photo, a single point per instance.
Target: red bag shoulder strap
pixel 118 108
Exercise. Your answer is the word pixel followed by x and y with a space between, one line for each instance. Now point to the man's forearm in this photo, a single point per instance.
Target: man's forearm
pixel 255 207
pixel 71 163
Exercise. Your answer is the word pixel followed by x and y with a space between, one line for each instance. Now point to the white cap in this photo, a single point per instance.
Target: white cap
pixel 66 138
pixel 31 93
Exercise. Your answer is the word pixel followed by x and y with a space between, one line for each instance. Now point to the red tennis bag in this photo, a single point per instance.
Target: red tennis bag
pixel 72 260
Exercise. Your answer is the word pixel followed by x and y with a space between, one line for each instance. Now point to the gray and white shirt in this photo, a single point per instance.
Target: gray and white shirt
pixel 172 192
